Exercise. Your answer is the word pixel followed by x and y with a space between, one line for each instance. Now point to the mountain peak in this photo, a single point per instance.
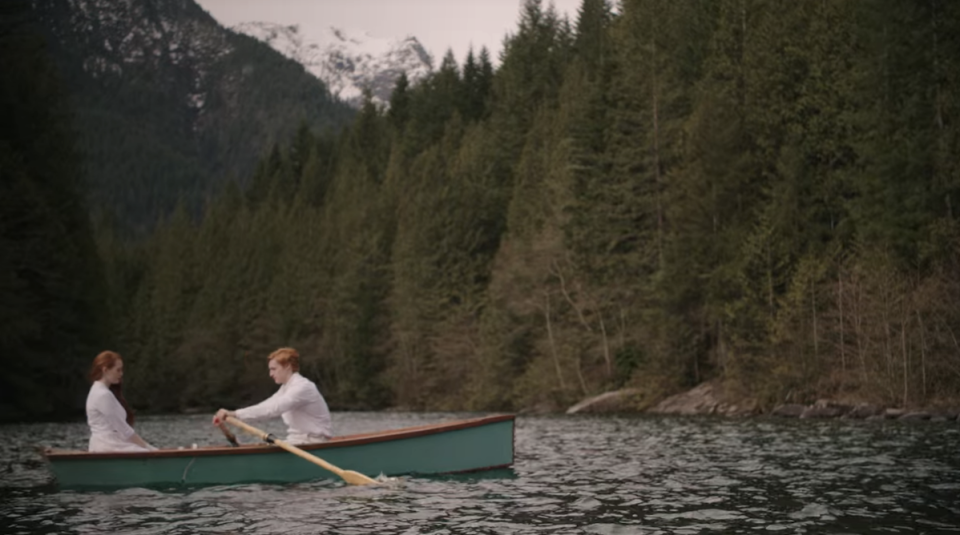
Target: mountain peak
pixel 347 60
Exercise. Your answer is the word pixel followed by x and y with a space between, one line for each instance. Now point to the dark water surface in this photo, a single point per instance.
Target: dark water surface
pixel 598 475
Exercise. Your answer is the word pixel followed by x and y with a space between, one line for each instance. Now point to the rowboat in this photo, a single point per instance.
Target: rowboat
pixel 454 447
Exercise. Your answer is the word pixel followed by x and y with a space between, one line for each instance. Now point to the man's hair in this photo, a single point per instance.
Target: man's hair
pixel 286 356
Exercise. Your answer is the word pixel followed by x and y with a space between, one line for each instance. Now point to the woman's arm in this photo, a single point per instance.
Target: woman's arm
pixel 116 417
pixel 113 414
pixel 135 438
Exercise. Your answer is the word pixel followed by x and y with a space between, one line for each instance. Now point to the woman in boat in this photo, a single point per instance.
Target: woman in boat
pixel 108 415
pixel 298 401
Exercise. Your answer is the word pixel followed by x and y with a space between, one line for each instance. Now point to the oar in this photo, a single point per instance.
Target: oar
pixel 351 477
pixel 231 438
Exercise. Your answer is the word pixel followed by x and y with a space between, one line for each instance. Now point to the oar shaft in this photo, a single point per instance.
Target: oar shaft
pixel 230 436
pixel 304 455
pixel 348 476
pixel 248 428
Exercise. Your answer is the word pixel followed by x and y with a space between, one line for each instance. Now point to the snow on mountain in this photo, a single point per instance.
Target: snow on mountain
pixel 347 61
pixel 122 33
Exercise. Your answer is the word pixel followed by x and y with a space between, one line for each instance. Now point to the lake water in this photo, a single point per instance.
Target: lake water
pixel 594 475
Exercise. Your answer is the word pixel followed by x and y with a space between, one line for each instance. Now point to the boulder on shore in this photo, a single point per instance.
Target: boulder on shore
pixel 825 408
pixel 710 398
pixel 616 401
pixel 706 398
pixel 864 411
pixel 820 411
pixel 790 410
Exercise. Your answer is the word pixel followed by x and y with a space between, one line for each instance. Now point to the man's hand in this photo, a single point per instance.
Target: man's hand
pixel 221 416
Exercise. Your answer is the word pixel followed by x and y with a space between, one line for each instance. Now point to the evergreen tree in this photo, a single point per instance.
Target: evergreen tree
pixel 317 170
pixel 477 78
pixel 54 314
pixel 592 33
pixel 435 101
pixel 399 112
pixel 532 65
pixel 471 100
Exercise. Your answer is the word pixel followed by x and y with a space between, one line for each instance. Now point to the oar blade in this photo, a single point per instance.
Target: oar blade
pixel 356 478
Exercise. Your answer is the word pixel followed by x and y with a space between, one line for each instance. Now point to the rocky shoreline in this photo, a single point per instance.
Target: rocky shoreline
pixel 709 398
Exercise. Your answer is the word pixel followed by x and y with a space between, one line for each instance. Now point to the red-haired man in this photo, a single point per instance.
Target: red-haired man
pixel 298 401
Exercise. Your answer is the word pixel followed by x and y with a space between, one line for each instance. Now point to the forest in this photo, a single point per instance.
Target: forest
pixel 656 194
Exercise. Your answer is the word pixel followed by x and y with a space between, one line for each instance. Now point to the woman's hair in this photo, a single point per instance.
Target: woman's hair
pixel 105 361
pixel 286 356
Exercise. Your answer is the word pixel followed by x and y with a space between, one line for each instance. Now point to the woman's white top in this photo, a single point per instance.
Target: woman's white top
pixel 109 430
pixel 302 407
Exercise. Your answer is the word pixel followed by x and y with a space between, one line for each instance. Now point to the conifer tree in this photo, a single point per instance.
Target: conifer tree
pixel 471 101
pixel 54 311
pixel 592 33
pixel 433 103
pixel 399 112
pixel 484 79
pixel 530 74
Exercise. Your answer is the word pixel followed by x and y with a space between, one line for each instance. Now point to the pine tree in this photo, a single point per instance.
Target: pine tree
pixel 592 34
pixel 54 312
pixel 433 103
pixel 532 65
pixel 472 98
pixel 399 112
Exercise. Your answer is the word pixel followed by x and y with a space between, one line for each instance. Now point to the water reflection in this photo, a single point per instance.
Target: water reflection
pixel 572 475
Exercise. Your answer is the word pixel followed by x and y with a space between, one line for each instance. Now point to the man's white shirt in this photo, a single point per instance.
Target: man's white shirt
pixel 303 409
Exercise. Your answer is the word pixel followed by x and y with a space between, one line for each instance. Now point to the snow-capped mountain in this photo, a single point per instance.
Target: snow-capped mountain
pixel 348 62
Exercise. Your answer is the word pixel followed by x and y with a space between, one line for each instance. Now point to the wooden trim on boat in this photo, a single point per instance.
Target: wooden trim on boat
pixel 257 449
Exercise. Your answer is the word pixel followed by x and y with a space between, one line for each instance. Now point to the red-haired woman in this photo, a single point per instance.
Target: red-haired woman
pixel 108 415
pixel 298 401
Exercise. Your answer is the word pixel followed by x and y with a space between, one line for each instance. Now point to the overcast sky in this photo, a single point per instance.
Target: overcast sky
pixel 437 24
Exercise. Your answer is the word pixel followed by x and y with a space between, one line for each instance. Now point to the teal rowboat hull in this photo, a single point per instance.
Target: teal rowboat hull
pixel 447 448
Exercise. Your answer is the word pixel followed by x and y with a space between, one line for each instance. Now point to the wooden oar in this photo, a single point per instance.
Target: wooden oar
pixel 351 477
pixel 231 438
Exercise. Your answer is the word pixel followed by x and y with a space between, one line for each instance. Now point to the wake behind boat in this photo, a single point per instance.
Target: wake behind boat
pixel 446 448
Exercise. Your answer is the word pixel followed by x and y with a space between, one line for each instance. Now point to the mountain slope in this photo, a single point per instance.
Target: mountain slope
pixel 169 104
pixel 348 62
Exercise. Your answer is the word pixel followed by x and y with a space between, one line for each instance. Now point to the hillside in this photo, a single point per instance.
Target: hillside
pixel 169 104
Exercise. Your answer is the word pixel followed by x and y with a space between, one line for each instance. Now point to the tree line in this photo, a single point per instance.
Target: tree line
pixel 651 196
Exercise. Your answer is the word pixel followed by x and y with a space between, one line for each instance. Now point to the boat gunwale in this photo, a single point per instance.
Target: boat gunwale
pixel 263 448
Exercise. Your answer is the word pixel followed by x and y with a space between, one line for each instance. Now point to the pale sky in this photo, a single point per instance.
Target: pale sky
pixel 437 24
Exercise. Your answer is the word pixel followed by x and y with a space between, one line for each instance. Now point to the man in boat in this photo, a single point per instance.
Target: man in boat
pixel 298 401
